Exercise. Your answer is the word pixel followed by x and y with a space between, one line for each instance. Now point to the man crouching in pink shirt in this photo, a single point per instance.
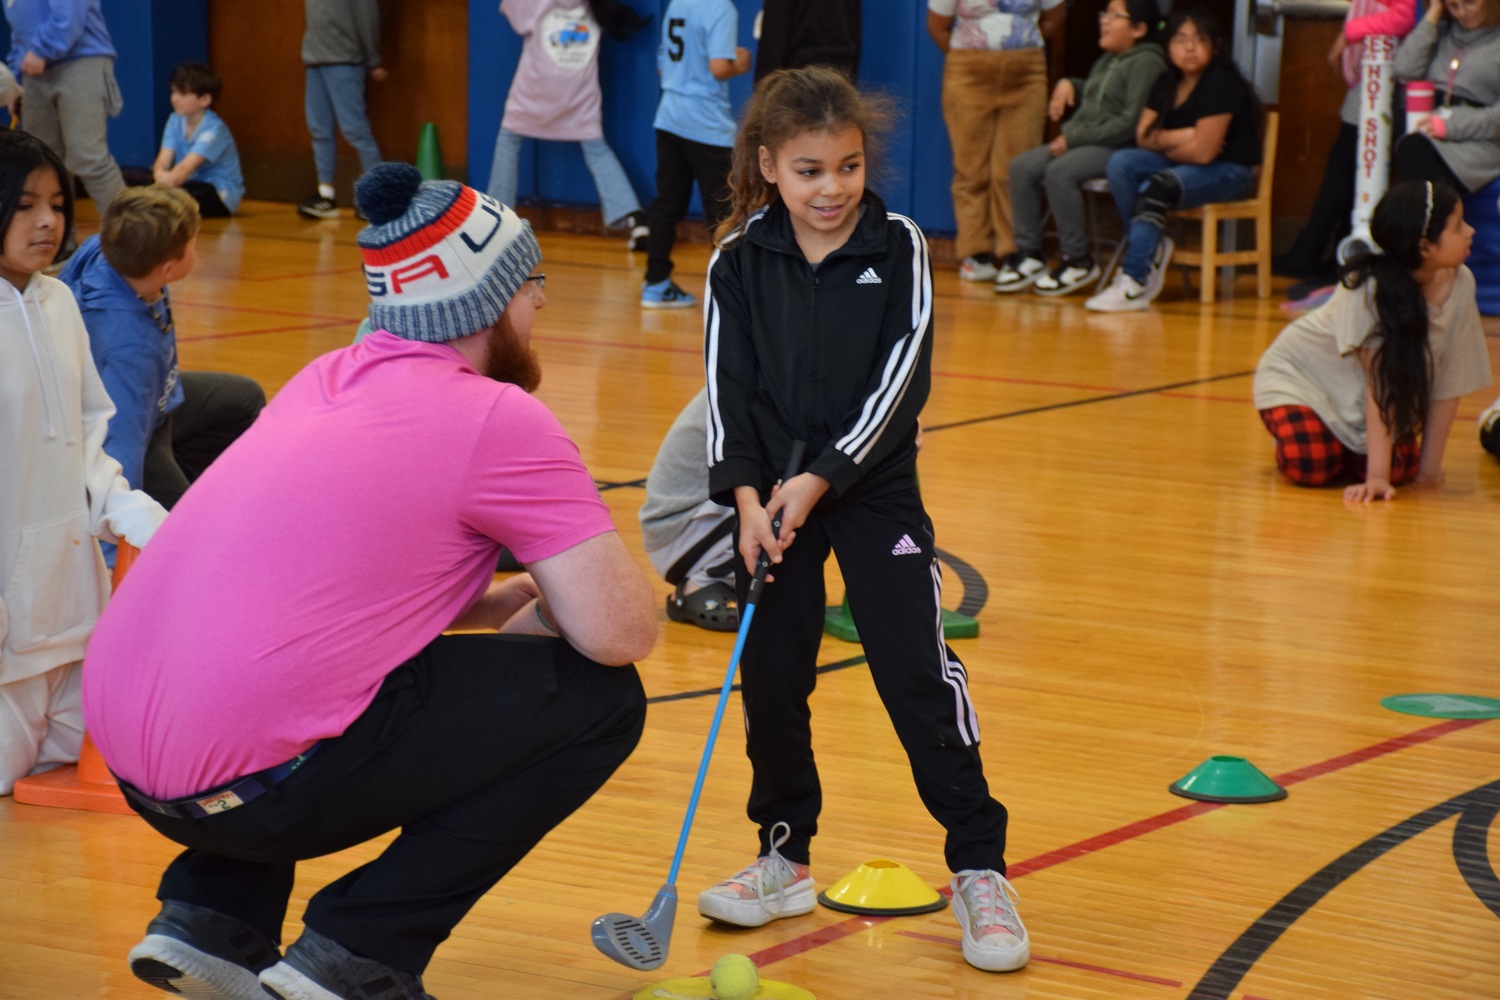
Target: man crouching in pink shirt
pixel 272 683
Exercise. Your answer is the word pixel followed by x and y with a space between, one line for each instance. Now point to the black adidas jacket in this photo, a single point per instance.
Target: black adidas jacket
pixel 839 357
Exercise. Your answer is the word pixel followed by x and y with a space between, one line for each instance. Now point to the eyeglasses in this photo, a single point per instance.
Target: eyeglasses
pixel 540 279
pixel 1105 15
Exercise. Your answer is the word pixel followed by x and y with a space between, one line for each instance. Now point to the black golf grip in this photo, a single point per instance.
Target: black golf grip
pixel 793 463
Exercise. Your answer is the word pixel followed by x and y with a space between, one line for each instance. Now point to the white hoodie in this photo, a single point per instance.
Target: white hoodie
pixel 58 489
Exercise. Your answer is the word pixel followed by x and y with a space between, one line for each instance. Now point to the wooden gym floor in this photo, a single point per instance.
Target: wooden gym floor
pixel 1149 594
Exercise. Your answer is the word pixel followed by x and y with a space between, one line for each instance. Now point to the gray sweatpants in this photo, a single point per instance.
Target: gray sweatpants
pixel 68 107
pixel 1036 169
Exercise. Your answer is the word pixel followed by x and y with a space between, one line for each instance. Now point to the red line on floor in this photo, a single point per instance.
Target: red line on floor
pixel 1119 835
pixel 323 325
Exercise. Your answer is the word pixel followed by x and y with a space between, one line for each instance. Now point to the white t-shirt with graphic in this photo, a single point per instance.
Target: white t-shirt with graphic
pixel 994 24
pixel 555 92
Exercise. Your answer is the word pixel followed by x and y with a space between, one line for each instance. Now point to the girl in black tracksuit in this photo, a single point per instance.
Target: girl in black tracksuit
pixel 818 328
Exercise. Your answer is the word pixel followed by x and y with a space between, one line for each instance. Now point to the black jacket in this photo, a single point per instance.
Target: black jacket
pixel 839 357
pixel 797 33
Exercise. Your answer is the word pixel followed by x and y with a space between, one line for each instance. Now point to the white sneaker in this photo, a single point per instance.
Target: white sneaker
pixel 1157 279
pixel 1124 294
pixel 995 940
pixel 1067 277
pixel 768 890
pixel 1018 271
pixel 976 270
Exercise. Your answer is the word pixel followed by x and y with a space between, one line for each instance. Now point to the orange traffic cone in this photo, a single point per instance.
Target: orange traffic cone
pixel 88 784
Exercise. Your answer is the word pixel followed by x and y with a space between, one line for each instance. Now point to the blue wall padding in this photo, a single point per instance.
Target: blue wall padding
pixel 898 58
pixel 151 38
pixel 1482 211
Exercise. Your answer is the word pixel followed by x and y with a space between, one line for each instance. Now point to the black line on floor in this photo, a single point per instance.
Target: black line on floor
pixel 1224 976
pixel 930 428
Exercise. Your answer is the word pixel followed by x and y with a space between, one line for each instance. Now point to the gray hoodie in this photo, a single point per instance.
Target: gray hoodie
pixel 1110 100
pixel 342 33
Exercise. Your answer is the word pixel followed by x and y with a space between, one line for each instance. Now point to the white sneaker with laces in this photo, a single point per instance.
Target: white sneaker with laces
pixel 973 269
pixel 768 890
pixel 995 940
pixel 1124 294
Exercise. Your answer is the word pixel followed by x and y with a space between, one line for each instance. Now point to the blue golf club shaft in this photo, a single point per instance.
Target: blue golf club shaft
pixel 747 614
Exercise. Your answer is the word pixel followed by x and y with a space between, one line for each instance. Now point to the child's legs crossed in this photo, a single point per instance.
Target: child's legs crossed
pixel 616 197
pixel 778 674
pixel 41 723
pixel 886 553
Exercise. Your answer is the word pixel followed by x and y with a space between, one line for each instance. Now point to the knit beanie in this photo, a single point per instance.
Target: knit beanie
pixel 442 261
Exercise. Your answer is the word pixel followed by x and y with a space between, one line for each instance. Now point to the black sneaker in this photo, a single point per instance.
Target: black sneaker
pixel 316 968
pixel 318 207
pixel 199 953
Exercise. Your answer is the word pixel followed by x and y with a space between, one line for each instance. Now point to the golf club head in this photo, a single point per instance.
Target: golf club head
pixel 639 942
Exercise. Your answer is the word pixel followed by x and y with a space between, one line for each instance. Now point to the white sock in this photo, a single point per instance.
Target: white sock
pixel 327 191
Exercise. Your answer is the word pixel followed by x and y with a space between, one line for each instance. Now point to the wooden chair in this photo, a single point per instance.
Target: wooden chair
pixel 1210 258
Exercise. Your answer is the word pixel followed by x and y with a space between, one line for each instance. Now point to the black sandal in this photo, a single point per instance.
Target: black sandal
pixel 715 608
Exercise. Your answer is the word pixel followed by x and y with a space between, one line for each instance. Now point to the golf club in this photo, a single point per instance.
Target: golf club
pixel 642 942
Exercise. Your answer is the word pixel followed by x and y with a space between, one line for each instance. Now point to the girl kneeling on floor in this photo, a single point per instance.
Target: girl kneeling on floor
pixel 1348 389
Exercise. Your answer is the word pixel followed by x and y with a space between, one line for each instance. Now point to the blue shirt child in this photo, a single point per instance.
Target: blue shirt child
pixel 221 159
pixel 694 105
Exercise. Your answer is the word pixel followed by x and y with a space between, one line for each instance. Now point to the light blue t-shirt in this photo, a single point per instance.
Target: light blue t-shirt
pixel 221 160
pixel 693 104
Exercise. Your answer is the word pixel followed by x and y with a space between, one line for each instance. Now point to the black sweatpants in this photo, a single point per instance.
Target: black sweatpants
pixel 680 162
pixel 475 749
pixel 217 408
pixel 885 550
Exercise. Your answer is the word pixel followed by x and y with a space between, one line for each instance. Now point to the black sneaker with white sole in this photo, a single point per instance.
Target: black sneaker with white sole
pixel 1069 276
pixel 1019 271
pixel 319 968
pixel 193 952
pixel 318 207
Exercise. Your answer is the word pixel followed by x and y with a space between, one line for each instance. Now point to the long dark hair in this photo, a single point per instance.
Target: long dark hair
pixel 618 20
pixel 1211 31
pixel 22 154
pixel 785 104
pixel 1401 370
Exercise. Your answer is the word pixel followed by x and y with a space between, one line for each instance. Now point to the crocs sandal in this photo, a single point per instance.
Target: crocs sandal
pixel 715 608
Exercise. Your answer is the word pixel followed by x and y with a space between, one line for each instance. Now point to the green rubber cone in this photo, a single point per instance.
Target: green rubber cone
pixel 1223 778
pixel 429 155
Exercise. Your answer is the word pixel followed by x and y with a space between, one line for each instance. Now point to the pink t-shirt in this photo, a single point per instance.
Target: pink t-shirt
pixel 555 92
pixel 357 518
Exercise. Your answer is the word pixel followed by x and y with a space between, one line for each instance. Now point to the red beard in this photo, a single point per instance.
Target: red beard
pixel 508 360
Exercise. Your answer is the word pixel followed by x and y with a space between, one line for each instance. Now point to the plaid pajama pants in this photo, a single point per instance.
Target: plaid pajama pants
pixel 1308 454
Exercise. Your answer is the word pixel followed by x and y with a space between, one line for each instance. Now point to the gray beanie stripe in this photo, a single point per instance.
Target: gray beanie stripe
pixel 447 266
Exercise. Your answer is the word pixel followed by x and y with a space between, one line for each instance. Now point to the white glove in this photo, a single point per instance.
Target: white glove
pixel 132 516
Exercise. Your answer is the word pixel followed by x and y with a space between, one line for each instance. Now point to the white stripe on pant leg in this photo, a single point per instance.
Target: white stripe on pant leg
pixel 965 718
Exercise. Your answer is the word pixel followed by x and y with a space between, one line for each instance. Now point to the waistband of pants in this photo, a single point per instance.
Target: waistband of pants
pixel 224 798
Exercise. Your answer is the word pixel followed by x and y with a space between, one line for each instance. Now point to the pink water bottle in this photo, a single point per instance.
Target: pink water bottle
pixel 1419 97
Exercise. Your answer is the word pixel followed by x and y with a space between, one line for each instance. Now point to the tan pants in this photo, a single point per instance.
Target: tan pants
pixel 994 104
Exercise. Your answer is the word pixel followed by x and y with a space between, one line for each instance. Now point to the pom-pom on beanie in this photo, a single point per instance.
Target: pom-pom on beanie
pixel 442 261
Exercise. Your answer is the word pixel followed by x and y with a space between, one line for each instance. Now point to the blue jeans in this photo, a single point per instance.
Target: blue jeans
pixel 336 96
pixel 616 197
pixel 1130 171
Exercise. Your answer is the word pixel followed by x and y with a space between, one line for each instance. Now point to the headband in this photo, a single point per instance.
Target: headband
pixel 1427 219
